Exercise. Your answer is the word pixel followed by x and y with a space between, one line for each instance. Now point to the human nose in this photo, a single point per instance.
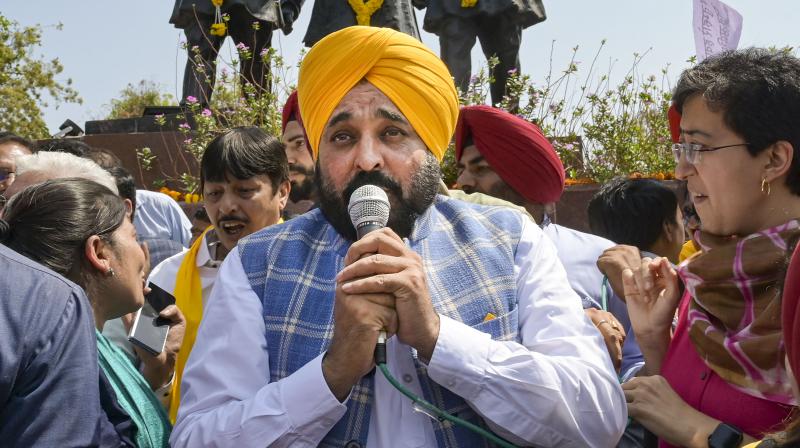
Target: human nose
pixel 465 179
pixel 368 155
pixel 683 168
pixel 228 204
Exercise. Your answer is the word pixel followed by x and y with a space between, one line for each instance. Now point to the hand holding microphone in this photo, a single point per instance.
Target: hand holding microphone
pixel 382 289
pixel 381 263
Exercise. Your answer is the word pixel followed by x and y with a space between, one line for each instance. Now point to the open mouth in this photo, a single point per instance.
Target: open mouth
pixel 232 228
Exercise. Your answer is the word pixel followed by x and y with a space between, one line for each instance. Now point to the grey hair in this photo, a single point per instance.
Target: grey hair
pixel 59 165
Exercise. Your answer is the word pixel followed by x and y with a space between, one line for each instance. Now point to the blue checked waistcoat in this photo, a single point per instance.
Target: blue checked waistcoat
pixel 468 254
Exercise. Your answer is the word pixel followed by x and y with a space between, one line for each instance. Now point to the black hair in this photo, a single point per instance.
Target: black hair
pixel 245 152
pixel 201 214
pixel 103 157
pixel 68 145
pixel 758 93
pixel 125 185
pixel 6 137
pixel 50 222
pixel 632 211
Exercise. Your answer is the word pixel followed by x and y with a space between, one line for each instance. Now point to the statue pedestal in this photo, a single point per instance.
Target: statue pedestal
pixel 124 137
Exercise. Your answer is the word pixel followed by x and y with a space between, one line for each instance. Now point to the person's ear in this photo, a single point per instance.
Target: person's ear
pixel 128 208
pixel 668 231
pixel 283 194
pixel 779 160
pixel 97 253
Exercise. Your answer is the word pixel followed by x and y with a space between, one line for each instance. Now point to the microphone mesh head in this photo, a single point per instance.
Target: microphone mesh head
pixel 368 204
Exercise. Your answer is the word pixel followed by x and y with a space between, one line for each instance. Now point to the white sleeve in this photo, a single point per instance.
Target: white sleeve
pixel 557 387
pixel 227 399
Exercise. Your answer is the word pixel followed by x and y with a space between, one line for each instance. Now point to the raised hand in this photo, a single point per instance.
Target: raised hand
pixel 652 294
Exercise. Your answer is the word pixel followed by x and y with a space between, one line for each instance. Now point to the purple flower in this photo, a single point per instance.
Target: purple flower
pixel 188 141
pixel 159 116
pixel 184 126
pixel 473 79
pixel 569 146
pixel 512 71
pixel 206 112
pixel 191 100
pixel 242 47
pixel 264 52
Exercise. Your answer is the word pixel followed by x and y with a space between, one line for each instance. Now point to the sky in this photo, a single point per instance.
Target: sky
pixel 106 44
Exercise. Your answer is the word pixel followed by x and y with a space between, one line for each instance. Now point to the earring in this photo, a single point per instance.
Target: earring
pixel 110 272
pixel 765 187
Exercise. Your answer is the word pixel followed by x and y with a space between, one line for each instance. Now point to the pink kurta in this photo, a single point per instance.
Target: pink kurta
pixel 705 391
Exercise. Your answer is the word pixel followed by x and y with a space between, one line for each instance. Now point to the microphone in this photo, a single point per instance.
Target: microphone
pixel 369 210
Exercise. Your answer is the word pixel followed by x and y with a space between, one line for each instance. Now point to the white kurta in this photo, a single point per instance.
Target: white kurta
pixel 555 388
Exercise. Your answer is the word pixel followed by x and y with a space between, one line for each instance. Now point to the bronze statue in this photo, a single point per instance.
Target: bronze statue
pixel 329 16
pixel 197 18
pixel 497 24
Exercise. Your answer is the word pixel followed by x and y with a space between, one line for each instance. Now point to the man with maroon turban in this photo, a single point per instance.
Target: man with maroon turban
pixel 303 196
pixel 504 156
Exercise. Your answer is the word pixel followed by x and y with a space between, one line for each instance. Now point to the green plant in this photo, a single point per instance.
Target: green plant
pixel 600 130
pixel 235 102
pixel 133 99
pixel 26 80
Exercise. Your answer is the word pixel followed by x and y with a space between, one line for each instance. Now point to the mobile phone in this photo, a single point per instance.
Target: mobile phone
pixel 148 331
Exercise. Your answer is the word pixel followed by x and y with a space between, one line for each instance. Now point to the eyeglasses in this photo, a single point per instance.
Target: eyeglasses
pixel 6 175
pixel 692 151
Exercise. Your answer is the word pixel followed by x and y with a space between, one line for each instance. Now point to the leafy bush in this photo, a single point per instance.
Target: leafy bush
pixel 600 130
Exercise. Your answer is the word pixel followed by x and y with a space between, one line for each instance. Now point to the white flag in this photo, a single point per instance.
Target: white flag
pixel 717 28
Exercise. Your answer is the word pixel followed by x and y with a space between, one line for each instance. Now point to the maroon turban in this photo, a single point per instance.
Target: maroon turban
pixel 515 149
pixel 791 312
pixel 291 111
pixel 674 118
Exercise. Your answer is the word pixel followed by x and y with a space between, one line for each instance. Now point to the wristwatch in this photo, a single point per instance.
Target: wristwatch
pixel 725 436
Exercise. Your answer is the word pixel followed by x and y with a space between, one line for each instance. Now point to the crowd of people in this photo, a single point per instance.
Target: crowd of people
pixel 672 324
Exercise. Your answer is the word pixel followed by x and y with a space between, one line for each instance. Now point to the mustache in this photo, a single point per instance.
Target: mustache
pixel 300 169
pixel 376 178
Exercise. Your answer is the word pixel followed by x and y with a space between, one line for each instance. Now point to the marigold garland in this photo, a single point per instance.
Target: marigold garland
pixel 468 3
pixel 218 28
pixel 365 9
pixel 177 196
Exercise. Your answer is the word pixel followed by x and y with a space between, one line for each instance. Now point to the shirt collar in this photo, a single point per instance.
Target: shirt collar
pixel 210 241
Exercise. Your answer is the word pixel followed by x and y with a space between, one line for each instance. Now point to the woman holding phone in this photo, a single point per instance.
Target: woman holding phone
pixel 82 230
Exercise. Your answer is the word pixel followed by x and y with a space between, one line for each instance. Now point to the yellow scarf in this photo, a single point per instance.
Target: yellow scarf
pixel 189 298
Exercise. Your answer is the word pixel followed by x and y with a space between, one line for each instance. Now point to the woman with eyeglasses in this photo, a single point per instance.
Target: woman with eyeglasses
pixel 719 379
pixel 81 230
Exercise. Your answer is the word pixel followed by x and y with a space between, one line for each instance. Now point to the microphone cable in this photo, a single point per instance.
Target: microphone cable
pixel 421 405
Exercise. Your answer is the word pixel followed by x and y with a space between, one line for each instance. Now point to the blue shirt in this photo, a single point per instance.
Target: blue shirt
pixel 49 394
pixel 579 252
pixel 158 216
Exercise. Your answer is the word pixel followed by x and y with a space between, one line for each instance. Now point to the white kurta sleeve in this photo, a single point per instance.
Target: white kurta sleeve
pixel 227 399
pixel 555 388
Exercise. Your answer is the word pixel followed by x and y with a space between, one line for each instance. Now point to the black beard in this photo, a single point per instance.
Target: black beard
pixel 404 211
pixel 303 191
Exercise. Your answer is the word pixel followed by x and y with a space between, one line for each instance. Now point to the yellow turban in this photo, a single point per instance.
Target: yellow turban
pixel 398 65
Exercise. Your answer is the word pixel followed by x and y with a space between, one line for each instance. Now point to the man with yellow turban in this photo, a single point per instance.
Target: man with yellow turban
pixel 481 320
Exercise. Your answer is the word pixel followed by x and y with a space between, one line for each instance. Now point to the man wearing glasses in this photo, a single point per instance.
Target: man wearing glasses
pixel 11 147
